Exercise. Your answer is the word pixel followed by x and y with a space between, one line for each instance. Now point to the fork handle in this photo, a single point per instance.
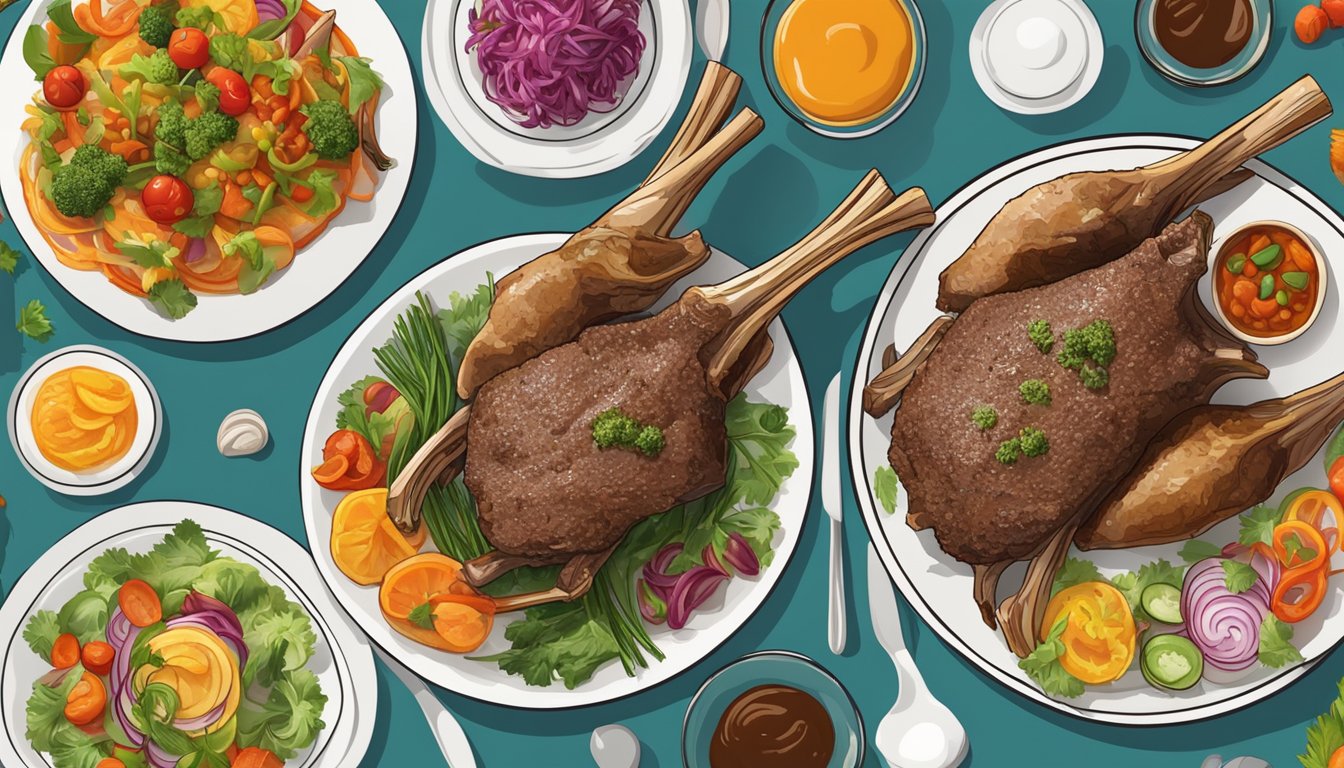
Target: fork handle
pixel 836 624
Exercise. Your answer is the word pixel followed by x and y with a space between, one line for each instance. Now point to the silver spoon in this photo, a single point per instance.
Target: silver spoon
pixel 614 746
pixel 919 731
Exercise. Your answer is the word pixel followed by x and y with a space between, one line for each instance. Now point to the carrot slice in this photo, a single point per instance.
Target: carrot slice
pixel 65 651
pixel 140 603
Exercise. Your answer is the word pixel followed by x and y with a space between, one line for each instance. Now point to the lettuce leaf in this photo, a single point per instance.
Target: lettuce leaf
pixel 465 316
pixel 290 719
pixel 1326 735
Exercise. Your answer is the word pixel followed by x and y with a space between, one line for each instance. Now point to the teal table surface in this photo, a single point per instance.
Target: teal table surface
pixel 766 197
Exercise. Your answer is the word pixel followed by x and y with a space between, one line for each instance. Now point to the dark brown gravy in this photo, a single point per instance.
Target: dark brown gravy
pixel 1203 33
pixel 773 725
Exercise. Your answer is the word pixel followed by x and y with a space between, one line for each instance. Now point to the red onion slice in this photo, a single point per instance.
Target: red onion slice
pixel 693 588
pixel 655 571
pixel 740 555
pixel 1224 626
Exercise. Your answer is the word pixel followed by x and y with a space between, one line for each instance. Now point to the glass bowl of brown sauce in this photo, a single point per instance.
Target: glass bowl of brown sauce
pixel 773 709
pixel 1203 42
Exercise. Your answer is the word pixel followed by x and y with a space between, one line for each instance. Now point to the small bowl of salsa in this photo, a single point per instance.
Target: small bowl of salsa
pixel 844 68
pixel 1269 282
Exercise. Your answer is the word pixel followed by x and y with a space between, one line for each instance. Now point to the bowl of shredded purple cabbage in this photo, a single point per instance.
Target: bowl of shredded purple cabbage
pixel 559 64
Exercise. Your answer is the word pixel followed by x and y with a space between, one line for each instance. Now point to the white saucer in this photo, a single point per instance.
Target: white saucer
pixel 100 480
pixel 1077 80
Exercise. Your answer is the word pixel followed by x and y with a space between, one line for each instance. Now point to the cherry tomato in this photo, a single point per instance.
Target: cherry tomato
pixel 65 651
pixel 64 87
pixel 189 48
pixel 87 700
pixel 234 94
pixel 97 657
pixel 110 762
pixel 167 199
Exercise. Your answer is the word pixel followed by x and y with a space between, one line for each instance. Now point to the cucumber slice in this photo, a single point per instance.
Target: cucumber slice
pixel 1171 662
pixel 1162 602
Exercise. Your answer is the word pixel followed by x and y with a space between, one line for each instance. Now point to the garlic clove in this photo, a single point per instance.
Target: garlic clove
pixel 242 433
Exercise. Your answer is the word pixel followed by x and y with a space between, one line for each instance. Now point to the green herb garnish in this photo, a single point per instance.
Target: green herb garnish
pixel 984 417
pixel 614 428
pixel 1035 391
pixel 1040 334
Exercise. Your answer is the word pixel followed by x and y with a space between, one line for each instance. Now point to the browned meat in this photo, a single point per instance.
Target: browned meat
pixel 1211 463
pixel 541 484
pixel 1168 360
pixel 1082 220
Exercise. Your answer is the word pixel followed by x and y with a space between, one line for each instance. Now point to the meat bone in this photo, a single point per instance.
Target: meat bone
pixel 1211 463
pixel 744 306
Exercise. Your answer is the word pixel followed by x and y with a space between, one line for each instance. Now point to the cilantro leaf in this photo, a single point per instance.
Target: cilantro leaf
pixel 1276 646
pixel 1257 525
pixel 886 487
pixel 33 321
pixel 422 616
pixel 1042 665
pixel 152 255
pixel 1075 572
pixel 364 82
pixel 1195 550
pixel 465 316
pixel 1238 576
pixel 41 632
pixel 9 258
pixel 195 226
pixel 1326 735
pixel 1132 584
pixel 289 721
pixel 172 298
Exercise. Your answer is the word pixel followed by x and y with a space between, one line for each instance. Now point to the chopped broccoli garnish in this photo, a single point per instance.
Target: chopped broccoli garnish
pixel 1009 451
pixel 156 68
pixel 1035 391
pixel 614 428
pixel 1094 377
pixel 650 441
pixel 1040 334
pixel 331 130
pixel 155 26
pixel 984 417
pixel 84 185
pixel 172 124
pixel 207 95
pixel 1033 441
pixel 169 160
pixel 207 132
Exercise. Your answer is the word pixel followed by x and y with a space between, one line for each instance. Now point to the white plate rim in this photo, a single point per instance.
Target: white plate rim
pixel 132 472
pixel 319 269
pixel 99 532
pixel 862 486
pixel 555 697
pixel 599 152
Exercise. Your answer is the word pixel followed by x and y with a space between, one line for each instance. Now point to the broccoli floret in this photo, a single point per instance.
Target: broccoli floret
pixel 1035 391
pixel 167 159
pixel 612 427
pixel 1094 341
pixel 156 68
pixel 330 129
pixel 79 191
pixel 1040 334
pixel 109 167
pixel 650 441
pixel 155 26
pixel 1009 451
pixel 984 417
pixel 1033 442
pixel 1094 377
pixel 207 132
pixel 207 95
pixel 172 124
pixel 198 16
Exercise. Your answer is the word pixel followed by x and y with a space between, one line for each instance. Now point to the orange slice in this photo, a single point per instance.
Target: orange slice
pixel 364 542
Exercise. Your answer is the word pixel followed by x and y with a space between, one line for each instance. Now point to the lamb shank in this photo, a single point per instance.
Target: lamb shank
pixel 1017 488
pixel 546 493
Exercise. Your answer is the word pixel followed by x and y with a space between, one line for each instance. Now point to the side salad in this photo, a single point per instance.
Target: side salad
pixel 666 567
pixel 175 658
pixel 1221 613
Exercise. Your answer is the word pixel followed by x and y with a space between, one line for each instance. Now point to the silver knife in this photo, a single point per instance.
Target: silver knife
pixel 711 27
pixel 830 501
pixel 447 731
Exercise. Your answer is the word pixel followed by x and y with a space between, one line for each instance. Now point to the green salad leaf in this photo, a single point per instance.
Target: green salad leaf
pixel 1073 572
pixel 355 415
pixel 886 486
pixel 41 632
pixel 1326 735
pixel 9 258
pixel 364 82
pixel 281 639
pixel 290 718
pixel 1132 584
pixel 556 641
pixel 465 316
pixel 1042 665
pixel 49 731
pixel 1334 449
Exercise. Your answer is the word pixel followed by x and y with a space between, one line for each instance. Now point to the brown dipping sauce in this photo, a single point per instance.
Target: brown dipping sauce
pixel 773 725
pixel 1203 33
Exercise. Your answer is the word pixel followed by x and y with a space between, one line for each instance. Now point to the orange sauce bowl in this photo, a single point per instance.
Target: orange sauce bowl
pixel 1268 282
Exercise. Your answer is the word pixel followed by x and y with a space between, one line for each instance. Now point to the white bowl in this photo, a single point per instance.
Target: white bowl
pixel 1321 280
pixel 98 480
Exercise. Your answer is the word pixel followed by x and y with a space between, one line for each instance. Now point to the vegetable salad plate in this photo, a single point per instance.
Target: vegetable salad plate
pixel 181 608
pixel 251 183
pixel 718 557
pixel 485 95
pixel 1189 672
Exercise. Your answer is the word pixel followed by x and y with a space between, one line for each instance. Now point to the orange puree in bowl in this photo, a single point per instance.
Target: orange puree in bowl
pixel 84 418
pixel 844 62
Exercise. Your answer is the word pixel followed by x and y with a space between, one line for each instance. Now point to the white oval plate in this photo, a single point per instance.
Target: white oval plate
pixel 98 481
pixel 343 661
pixel 781 382
pixel 938 586
pixel 596 144
pixel 317 271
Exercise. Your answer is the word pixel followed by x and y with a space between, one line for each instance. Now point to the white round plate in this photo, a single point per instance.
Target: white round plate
pixel 781 383
pixel 343 661
pixel 596 144
pixel 101 480
pixel 938 586
pixel 1004 99
pixel 318 270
